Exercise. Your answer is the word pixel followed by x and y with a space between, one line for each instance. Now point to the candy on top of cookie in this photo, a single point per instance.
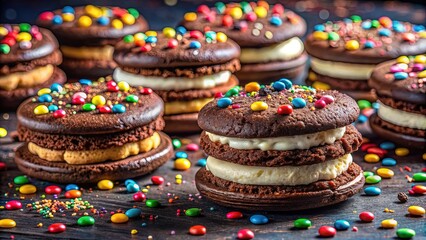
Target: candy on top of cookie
pixel 409 67
pixel 23 34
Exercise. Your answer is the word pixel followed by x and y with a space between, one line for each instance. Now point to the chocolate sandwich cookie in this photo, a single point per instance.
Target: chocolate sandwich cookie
pixel 87 35
pixel 28 61
pixel 400 86
pixel 187 69
pixel 344 53
pixel 88 131
pixel 269 37
pixel 279 147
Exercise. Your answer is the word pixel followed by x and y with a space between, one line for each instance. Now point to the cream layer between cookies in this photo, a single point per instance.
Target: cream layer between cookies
pixel 350 71
pixel 401 118
pixel 27 79
pixel 283 143
pixel 285 175
pixel 283 51
pixel 96 53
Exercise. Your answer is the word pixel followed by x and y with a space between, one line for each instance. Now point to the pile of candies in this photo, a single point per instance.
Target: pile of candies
pixel 410 66
pixel 22 34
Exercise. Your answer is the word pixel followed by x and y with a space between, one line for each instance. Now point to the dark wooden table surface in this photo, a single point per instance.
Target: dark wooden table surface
pixel 163 223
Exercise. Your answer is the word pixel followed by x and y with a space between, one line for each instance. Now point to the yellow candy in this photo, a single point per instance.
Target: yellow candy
pixel 385 173
pixel 119 218
pixel 23 36
pixel 321 86
pixel 318 35
pixel 117 24
pixel 3 132
pixel 371 158
pixel 98 100
pixel 424 156
pixel 221 37
pixel 259 106
pixel 134 231
pixel 190 16
pixel 422 34
pixel 123 86
pixel 389 223
pixel 401 152
pixel 169 32
pixel 178 176
pixel 312 76
pixel 68 17
pixel 139 37
pixel 27 189
pixel 352 45
pixel 84 21
pixel 7 223
pixel 44 91
pixel 403 59
pixel 105 184
pixel 41 109
pixel 252 87
pixel 105 11
pixel 3 31
pixel 151 33
pixel 236 13
pixel 422 74
pixel 93 11
pixel 128 19
pixel 260 11
pixel 416 210
pixel 144 190
pixel 420 59
pixel 182 164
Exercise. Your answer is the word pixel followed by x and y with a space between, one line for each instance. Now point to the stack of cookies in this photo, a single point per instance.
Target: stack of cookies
pixel 344 53
pixel 186 68
pixel 28 61
pixel 87 36
pixel 280 147
pixel 88 131
pixel 400 86
pixel 269 37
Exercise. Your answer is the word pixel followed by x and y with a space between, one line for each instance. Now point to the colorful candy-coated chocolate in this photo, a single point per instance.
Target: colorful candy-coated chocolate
pixel 224 102
pixel 259 106
pixel 41 109
pixel 252 87
pixel 197 230
pixel 341 224
pixel 73 194
pixel 419 177
pixel 259 219
pixel 119 218
pixel 388 162
pixel 202 162
pixel 152 203
pixel 372 191
pixel 419 189
pixel 118 108
pixel 385 173
pixel 181 154
pixel 302 223
pixel 157 180
pixel 362 104
pixel 3 132
pixel 380 152
pixel 326 231
pixel 182 164
pixel 27 189
pixel 60 113
pixel 193 212
pixel 52 189
pixel 176 143
pixel 86 221
pixel 139 197
pixel 105 184
pixel 245 234
pixel 401 152
pixel 132 187
pixel 71 187
pixel 192 147
pixel 366 216
pixel 373 179
pixel 389 223
pixel 57 228
pixel 405 233
pixel 285 109
pixel 7 223
pixel 13 205
pixel 298 103
pixel 133 212
pixel 234 215
pixel 21 180
pixel 98 100
pixel 371 158
pixel 416 210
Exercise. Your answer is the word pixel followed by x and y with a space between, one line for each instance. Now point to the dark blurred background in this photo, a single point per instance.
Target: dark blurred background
pixel 161 13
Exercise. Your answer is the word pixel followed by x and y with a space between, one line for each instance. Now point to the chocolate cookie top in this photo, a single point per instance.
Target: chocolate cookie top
pixel 402 79
pixel 280 109
pixel 175 48
pixel 92 25
pixel 86 108
pixel 24 42
pixel 250 24
pixel 365 41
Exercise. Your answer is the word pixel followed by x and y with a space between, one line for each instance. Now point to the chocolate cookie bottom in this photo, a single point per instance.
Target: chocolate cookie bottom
pixel 87 68
pixel 181 123
pixel 61 172
pixel 280 198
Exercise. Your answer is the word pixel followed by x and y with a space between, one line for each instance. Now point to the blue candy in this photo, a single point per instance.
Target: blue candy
pixel 388 162
pixel 298 103
pixel 181 155
pixel 224 102
pixel 418 28
pixel 133 212
pixel 128 181
pixel 132 187
pixel 288 83
pixel 362 119
pixel 341 225
pixel 181 30
pixel 259 219
pixel 276 21
pixel 319 27
pixel 366 25
pixel 211 35
pixel 399 28
pixel 52 108
pixel 118 108
pixel 68 9
pixel 369 44
pixel 375 105
pixel 151 39
pixel 372 191
pixel 400 75
pixel 45 98
pixel 84 81
pixel 201 162
pixel 56 87
pixel 195 45
pixel 71 187
pixel 103 21
pixel 384 32
pixel 278 86
pixel 387 145
pixel 57 20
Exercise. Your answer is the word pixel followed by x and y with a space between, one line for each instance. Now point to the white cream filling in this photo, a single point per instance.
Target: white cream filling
pixel 402 118
pixel 285 175
pixel 351 71
pixel 283 51
pixel 305 141
pixel 172 83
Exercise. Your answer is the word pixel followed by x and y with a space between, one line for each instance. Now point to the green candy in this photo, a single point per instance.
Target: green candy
pixel 373 179
pixel 21 180
pixel 333 36
pixel 193 212
pixel 367 174
pixel 419 177
pixel 24 27
pixel 128 39
pixel 86 221
pixel 220 6
pixel 364 104
pixel 356 18
pixel 176 143
pixel 4 48
pixel 245 6
pixel 132 98
pixel 302 223
pixel 232 92
pixel 152 203
pixel 133 12
pixel 375 23
pixel 405 233
pixel 88 107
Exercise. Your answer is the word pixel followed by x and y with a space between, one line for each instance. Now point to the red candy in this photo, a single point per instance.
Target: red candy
pixel 111 83
pixel 60 113
pixel 218 95
pixel 197 230
pixel 13 205
pixel 192 147
pixel 234 215
pixel 285 110
pixel 105 109
pixel 320 104
pixel 203 9
pixel 57 228
pixel 327 231
pixel 409 37
pixel 245 234
pixel 195 34
pixel 119 12
pixel 172 43
pixel 157 180
pixel 146 91
pixel 47 16
pixel 366 146
pixel 9 41
pixel 366 216
pixel 278 9
pixel 52 189
pixel 113 88
pixel 73 194
pixel 146 48
pixel 2 166
pixel 327 99
pixel 227 21
pixel 78 101
pixel 139 197
pixel 251 17
pixel 378 151
pixel 211 17
pixel 419 189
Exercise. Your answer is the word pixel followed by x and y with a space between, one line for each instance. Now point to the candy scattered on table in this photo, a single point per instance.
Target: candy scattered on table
pixel 119 218
pixel 197 230
pixel 57 228
pixel 7 223
pixel 341 225
pixel 245 234
pixel 366 216
pixel 86 221
pixel 327 231
pixel 259 219
pixel 105 184
pixel 302 223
